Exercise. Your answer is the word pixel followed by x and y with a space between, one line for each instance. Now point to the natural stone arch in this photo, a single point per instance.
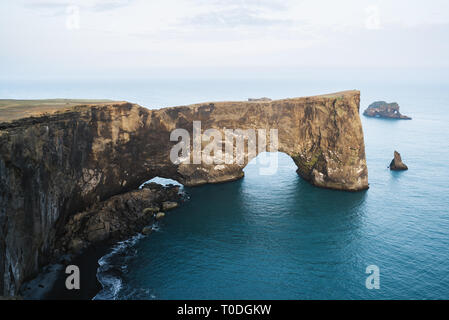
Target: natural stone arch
pixel 54 165
pixel 322 134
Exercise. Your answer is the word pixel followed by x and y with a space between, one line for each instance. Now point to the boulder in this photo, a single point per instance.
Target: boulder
pixel 160 215
pixel 150 210
pixel 168 205
pixel 147 230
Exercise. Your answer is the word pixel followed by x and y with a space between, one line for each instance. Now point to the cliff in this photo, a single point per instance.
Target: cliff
pixel 55 165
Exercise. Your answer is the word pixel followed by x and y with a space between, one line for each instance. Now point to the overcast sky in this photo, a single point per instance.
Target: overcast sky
pixel 40 37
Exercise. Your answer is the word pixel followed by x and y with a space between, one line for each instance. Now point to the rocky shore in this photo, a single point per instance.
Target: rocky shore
pixel 118 217
pixel 88 235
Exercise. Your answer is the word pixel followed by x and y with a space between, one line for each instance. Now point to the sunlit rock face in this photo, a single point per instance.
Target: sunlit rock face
pixel 55 165
pixel 322 134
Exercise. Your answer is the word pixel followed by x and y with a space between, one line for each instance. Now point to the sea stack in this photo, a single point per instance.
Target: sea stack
pixel 397 164
pixel 382 109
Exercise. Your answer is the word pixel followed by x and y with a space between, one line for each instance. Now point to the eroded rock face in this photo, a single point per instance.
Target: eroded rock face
pixel 54 166
pixel 116 218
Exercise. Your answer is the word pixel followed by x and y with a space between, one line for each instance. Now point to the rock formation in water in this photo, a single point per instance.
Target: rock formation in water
pixel 117 218
pixel 397 164
pixel 382 109
pixel 56 165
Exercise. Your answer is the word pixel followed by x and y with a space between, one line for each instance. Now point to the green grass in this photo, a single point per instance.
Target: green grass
pixel 11 109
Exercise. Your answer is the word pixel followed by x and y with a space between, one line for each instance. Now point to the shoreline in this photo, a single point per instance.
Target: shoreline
pixel 49 283
pixel 87 261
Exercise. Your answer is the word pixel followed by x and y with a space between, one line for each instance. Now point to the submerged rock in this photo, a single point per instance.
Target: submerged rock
pixel 397 164
pixel 382 109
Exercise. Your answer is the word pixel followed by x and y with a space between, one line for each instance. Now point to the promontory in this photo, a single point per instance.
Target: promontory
pixel 59 162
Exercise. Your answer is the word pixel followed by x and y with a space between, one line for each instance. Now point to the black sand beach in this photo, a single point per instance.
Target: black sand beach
pixel 89 285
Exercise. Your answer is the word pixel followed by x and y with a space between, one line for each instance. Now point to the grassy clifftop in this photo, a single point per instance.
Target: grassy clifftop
pixel 11 109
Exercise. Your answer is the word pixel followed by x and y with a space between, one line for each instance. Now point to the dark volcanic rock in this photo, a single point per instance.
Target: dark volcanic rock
pixel 382 109
pixel 397 164
pixel 54 166
pixel 117 218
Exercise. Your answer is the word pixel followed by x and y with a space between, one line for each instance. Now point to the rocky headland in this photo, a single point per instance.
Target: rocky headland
pixel 382 109
pixel 68 178
pixel 118 217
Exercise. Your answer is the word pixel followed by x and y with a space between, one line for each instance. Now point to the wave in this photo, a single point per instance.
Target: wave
pixel 114 265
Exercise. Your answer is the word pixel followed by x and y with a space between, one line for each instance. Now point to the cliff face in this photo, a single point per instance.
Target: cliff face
pixel 54 166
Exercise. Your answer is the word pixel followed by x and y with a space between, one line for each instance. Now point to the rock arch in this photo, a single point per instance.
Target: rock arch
pixel 322 134
pixel 54 165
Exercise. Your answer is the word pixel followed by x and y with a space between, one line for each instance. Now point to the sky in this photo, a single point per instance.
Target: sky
pixel 146 37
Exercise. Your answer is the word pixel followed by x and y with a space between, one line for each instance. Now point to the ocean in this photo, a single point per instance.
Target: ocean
pixel 277 237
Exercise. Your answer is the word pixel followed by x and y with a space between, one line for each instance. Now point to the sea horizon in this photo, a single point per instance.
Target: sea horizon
pixel 388 212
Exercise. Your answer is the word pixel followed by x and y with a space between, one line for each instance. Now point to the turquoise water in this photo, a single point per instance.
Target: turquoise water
pixel 277 237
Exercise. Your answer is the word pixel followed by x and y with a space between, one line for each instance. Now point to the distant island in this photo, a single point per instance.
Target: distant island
pixel 263 99
pixel 382 109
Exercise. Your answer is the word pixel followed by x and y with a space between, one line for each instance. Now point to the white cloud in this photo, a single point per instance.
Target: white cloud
pixel 133 34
